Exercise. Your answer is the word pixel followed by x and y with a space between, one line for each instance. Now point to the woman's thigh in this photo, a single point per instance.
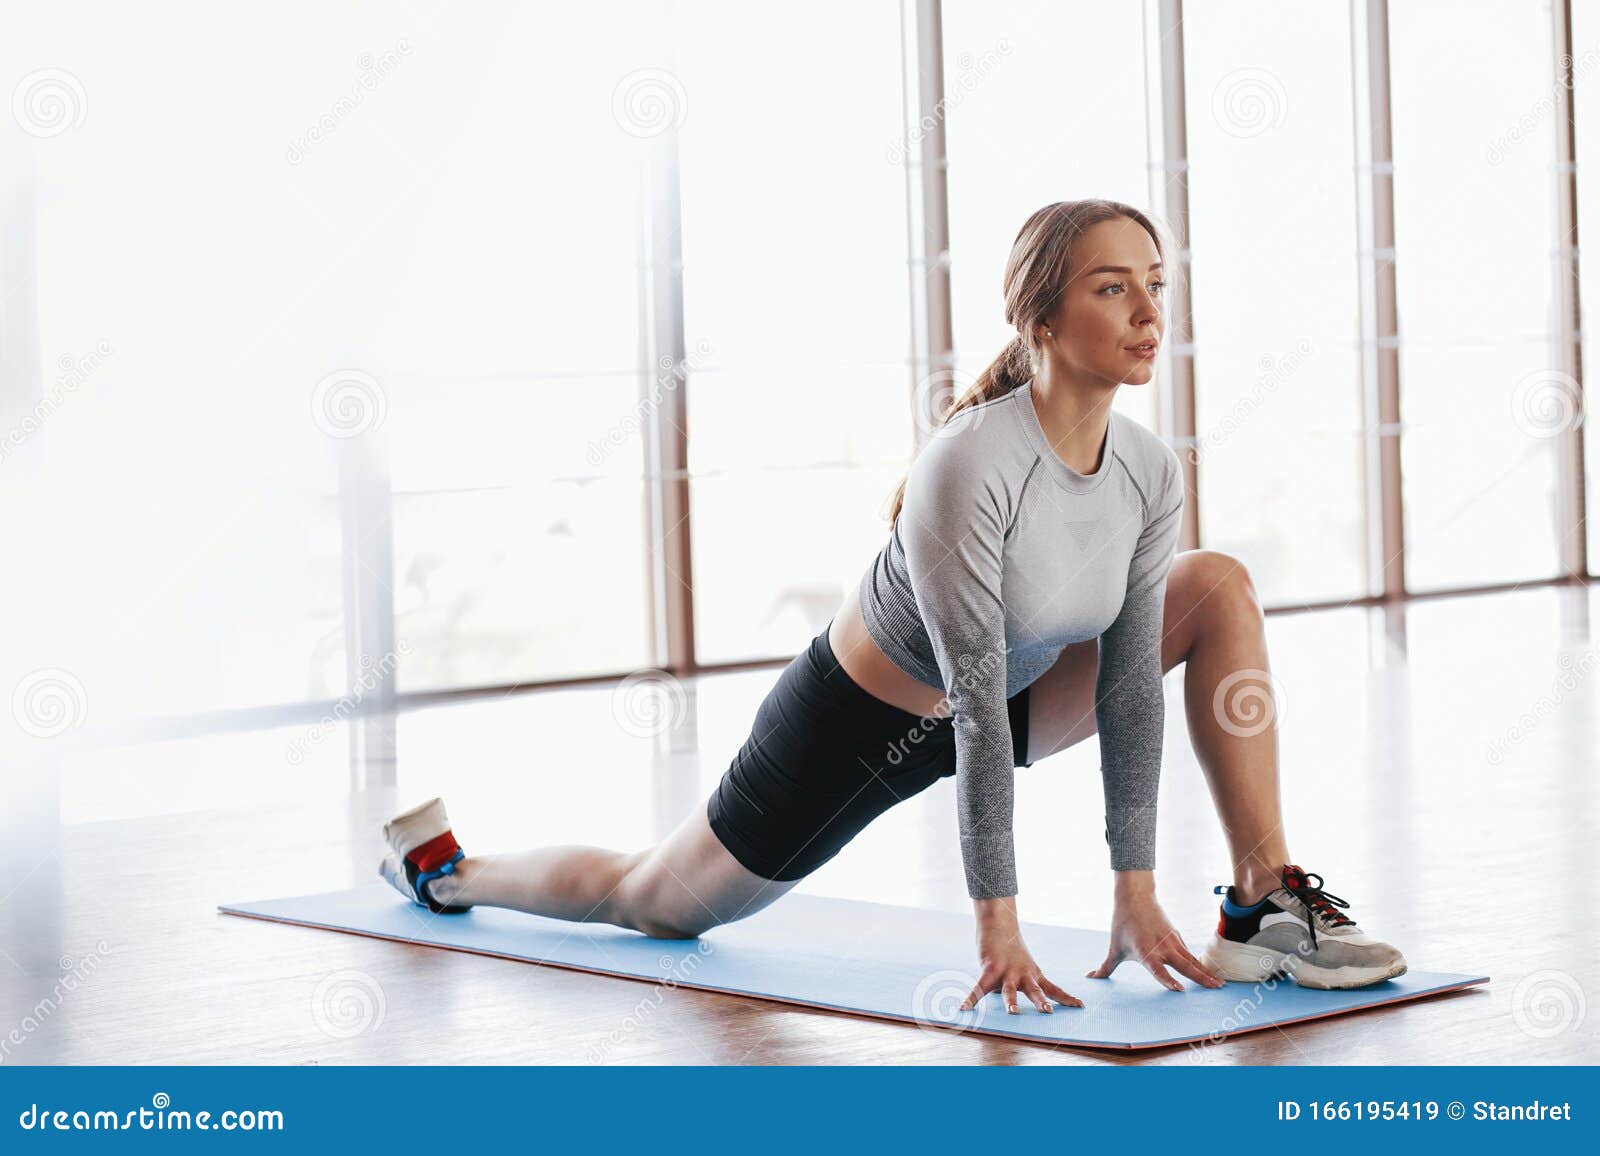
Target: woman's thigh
pixel 824 758
pixel 1061 700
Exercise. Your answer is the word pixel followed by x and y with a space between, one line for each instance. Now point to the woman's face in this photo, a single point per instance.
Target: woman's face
pixel 1113 302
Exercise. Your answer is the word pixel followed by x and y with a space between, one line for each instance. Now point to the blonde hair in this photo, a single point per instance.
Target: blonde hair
pixel 1035 279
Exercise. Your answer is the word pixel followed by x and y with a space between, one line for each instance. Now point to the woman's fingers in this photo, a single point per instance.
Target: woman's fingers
pixel 973 996
pixel 1107 967
pixel 1036 987
pixel 1163 976
pixel 1193 968
pixel 1177 956
pixel 1066 999
pixel 1036 994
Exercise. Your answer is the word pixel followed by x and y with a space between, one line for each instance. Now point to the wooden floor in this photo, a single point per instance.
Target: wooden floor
pixel 1440 768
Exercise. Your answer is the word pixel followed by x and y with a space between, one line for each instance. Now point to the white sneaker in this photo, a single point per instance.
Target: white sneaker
pixel 1298 930
pixel 421 848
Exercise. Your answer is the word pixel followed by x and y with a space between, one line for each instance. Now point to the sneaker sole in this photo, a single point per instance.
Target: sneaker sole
pixel 1242 963
pixel 394 874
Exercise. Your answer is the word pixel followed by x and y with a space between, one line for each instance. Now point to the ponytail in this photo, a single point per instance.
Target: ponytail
pixel 1012 369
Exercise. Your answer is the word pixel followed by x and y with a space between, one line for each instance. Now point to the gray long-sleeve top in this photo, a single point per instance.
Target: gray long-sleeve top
pixel 1001 557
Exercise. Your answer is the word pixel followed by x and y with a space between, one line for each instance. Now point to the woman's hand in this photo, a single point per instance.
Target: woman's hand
pixel 1141 930
pixel 1007 966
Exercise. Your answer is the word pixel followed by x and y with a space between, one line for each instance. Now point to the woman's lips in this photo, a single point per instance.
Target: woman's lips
pixel 1143 352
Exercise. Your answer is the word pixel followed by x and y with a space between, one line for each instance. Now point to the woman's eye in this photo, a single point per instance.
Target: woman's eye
pixel 1119 285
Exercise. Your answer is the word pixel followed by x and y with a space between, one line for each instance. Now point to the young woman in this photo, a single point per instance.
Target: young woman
pixel 1028 596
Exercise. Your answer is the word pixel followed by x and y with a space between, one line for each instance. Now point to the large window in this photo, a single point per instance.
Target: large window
pixel 398 263
pixel 1475 228
pixel 1586 70
pixel 796 316
pixel 1273 229
pixel 510 292
pixel 396 224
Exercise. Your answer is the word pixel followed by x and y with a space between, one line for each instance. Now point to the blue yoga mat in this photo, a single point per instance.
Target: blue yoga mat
pixel 872 959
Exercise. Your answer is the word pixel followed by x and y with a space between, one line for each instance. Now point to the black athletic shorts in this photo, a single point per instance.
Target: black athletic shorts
pixel 824 758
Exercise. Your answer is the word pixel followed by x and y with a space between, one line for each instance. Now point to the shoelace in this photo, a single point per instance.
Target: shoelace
pixel 1315 900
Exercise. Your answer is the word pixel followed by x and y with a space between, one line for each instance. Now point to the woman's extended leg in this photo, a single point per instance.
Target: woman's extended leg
pixel 1213 623
pixel 812 773
pixel 682 886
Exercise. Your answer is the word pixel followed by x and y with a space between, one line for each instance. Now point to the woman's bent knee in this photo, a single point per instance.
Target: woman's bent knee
pixel 688 884
pixel 664 930
pixel 660 921
pixel 651 901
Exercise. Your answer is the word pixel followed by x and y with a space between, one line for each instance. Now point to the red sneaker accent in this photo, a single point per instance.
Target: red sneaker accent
pixel 435 853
